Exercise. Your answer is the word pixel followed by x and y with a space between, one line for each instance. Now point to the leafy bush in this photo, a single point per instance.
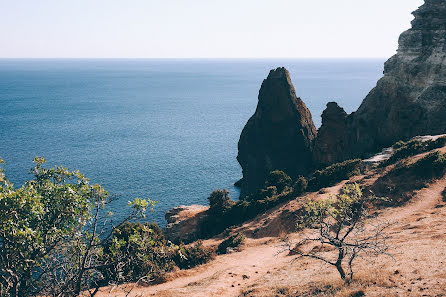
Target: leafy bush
pixel 300 186
pixel 219 201
pixel 51 242
pixel 279 179
pixel 334 174
pixel 141 252
pixel 232 241
pixel 432 165
pixel 190 256
pixel 413 147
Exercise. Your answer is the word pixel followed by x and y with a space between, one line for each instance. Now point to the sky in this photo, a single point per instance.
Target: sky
pixel 202 28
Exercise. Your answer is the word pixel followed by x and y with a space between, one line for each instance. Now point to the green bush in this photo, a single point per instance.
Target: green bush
pixel 279 179
pixel 334 174
pixel 193 255
pixel 300 186
pixel 144 250
pixel 219 202
pixel 232 241
pixel 54 231
pixel 411 148
pixel 431 166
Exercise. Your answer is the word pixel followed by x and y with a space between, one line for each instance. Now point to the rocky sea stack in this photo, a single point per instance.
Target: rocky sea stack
pixel 278 136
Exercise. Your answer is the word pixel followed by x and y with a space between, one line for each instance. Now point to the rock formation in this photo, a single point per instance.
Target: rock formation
pixel 183 222
pixel 278 136
pixel 409 100
pixel 330 142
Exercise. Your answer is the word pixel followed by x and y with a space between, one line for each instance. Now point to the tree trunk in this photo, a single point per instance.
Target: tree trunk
pixel 340 270
pixel 339 263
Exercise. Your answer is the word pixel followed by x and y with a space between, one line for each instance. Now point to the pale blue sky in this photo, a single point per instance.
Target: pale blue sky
pixel 202 28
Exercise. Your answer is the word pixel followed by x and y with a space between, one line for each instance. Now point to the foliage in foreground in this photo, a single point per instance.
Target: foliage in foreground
pixel 341 223
pixel 57 239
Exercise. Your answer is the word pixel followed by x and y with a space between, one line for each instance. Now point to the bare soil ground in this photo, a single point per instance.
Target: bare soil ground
pixel 418 266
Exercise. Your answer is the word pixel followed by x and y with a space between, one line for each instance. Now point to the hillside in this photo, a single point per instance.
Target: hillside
pixel 417 220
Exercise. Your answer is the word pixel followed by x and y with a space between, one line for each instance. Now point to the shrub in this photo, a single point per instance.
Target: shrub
pixel 190 256
pixel 334 174
pixel 430 166
pixel 413 147
pixel 279 179
pixel 53 233
pixel 300 186
pixel 141 252
pixel 219 202
pixel 232 241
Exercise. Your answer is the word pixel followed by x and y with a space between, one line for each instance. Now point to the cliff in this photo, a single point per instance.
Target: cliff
pixel 409 100
pixel 278 136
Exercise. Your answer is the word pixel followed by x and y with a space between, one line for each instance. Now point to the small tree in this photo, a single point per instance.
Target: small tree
pixel 219 202
pixel 340 222
pixel 279 179
pixel 53 231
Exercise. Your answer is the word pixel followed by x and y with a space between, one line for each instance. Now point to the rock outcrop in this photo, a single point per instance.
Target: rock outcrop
pixel 278 136
pixel 330 142
pixel 183 222
pixel 409 100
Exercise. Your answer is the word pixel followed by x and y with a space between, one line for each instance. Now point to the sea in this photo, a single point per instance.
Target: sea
pixel 160 128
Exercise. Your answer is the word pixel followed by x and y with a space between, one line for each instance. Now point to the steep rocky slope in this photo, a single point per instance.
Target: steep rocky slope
pixel 409 100
pixel 278 136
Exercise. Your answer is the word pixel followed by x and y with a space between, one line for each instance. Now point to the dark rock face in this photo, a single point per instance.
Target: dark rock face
pixel 330 141
pixel 409 100
pixel 278 136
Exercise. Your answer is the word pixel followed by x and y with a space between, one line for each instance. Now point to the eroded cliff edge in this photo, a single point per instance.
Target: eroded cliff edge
pixel 409 100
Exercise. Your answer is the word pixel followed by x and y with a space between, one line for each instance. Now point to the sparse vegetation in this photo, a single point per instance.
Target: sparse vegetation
pixel 232 241
pixel 333 174
pixel 340 223
pixel 190 256
pixel 411 148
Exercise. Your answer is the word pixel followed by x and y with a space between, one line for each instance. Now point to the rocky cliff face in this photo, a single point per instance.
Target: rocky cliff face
pixel 330 141
pixel 278 136
pixel 409 100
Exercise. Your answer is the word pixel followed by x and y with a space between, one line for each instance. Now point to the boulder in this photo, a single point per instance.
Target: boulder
pixel 183 222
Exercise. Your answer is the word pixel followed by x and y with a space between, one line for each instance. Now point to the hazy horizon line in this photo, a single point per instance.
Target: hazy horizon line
pixel 187 58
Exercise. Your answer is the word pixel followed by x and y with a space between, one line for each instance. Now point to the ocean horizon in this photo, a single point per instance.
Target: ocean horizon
pixel 160 128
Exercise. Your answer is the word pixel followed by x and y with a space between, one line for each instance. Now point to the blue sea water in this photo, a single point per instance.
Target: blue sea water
pixel 164 129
